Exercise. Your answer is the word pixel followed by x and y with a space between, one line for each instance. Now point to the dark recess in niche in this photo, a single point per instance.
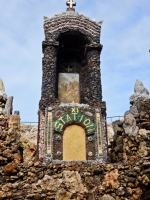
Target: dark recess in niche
pixel 71 54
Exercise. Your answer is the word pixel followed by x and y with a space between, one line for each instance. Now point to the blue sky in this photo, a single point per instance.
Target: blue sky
pixel 125 37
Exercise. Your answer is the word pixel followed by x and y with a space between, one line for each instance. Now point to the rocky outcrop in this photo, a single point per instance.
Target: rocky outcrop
pixel 131 139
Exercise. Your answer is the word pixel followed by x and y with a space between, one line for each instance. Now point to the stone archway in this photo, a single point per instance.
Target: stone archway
pixel 74 143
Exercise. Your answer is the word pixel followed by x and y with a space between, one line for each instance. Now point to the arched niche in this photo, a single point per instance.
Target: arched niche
pixel 71 60
pixel 71 21
pixel 74 143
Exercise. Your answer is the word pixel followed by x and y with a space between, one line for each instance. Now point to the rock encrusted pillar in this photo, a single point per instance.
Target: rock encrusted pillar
pixel 49 79
pixel 93 66
pixel 49 91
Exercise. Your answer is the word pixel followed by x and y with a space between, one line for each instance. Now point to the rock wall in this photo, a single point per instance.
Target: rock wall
pixel 72 181
pixel 126 176
pixel 29 141
pixel 62 181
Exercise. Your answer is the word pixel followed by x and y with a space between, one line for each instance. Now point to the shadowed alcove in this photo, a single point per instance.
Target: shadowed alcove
pixel 71 59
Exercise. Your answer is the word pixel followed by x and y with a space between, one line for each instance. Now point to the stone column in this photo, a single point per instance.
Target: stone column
pixel 49 78
pixel 49 89
pixel 94 75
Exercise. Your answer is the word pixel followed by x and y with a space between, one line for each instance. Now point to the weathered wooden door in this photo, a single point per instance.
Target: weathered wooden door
pixel 74 144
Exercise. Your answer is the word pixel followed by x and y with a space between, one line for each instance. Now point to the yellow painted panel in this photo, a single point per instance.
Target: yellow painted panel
pixel 74 145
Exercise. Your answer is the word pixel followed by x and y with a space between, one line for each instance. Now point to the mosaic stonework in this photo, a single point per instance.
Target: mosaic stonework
pixel 64 116
pixel 49 133
pixel 41 134
pixel 74 116
pixel 99 134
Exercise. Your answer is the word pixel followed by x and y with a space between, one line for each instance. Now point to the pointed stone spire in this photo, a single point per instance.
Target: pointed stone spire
pixel 139 91
pixel 2 88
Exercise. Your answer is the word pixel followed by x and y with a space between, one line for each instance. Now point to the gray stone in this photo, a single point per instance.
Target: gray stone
pixel 127 113
pixel 134 111
pixel 8 106
pixel 139 91
pixel 86 99
pixel 129 125
pixel 139 88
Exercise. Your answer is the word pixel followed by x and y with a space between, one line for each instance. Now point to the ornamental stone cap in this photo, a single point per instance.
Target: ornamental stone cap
pixel 75 14
pixel 73 22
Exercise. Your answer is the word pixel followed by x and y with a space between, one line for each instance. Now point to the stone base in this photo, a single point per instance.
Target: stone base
pixel 75 181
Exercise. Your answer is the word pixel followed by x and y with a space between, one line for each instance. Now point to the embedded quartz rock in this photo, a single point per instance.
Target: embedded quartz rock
pixel 139 91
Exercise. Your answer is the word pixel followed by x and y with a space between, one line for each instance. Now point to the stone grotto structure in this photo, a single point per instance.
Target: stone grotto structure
pixel 73 159
pixel 71 96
